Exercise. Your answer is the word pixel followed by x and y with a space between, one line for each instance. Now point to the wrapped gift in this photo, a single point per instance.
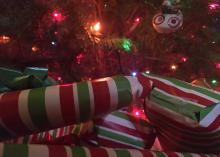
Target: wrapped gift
pixel 70 133
pixel 65 151
pixel 121 129
pixel 186 116
pixel 36 110
pixel 30 77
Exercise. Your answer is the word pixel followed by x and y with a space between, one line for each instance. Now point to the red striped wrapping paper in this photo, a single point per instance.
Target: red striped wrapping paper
pixel 186 116
pixel 65 151
pixel 56 136
pixel 121 129
pixel 36 110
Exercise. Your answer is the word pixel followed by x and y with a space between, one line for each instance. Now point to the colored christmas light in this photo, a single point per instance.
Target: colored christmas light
pixel 53 43
pixel 214 82
pixel 35 48
pixel 137 19
pixel 96 27
pixel 57 16
pixel 147 71
pixel 213 6
pixel 173 67
pixel 184 59
pixel 217 65
pixel 4 39
pixel 138 111
pixel 134 74
pixel 79 58
pixel 126 45
pixel 59 78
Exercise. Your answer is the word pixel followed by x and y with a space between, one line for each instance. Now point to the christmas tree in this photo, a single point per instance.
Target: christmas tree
pixel 93 38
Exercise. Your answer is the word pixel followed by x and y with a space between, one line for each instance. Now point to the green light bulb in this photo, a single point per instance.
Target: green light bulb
pixel 214 81
pixel 126 45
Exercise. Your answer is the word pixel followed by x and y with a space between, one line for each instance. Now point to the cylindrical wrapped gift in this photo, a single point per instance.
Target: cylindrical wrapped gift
pixel 65 151
pixel 186 116
pixel 36 110
pixel 121 129
pixel 56 136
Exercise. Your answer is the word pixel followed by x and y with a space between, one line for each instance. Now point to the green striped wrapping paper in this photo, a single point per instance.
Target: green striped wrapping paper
pixel 120 129
pixel 186 116
pixel 53 136
pixel 65 151
pixel 36 110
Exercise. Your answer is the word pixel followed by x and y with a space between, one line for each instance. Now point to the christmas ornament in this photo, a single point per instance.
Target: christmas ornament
pixel 169 19
pixel 167 23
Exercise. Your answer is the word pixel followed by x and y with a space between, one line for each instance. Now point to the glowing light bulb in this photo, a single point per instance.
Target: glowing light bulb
pixel 137 113
pixel 137 19
pixel 53 43
pixel 59 78
pixel 173 67
pixel 213 6
pixel 57 16
pixel 134 74
pixel 96 27
pixel 35 48
pixel 214 82
pixel 184 59
pixel 217 65
pixel 147 72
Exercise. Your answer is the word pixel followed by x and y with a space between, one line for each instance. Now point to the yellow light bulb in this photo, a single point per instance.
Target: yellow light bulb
pixel 173 67
pixel 97 27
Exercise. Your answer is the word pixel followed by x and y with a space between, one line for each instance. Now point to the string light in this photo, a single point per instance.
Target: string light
pixel 217 65
pixel 184 59
pixel 35 48
pixel 126 45
pixel 53 43
pixel 79 58
pixel 4 39
pixel 147 71
pixel 214 82
pixel 134 74
pixel 96 27
pixel 137 19
pixel 59 78
pixel 57 16
pixel 173 67
pixel 213 6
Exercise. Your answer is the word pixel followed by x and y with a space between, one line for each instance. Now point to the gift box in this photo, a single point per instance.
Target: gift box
pixel 65 151
pixel 121 129
pixel 36 110
pixel 186 116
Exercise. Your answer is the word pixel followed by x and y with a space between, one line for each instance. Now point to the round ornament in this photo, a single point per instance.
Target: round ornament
pixel 167 23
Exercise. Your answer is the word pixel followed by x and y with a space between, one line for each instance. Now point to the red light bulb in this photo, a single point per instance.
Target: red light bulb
pixel 217 65
pixel 137 113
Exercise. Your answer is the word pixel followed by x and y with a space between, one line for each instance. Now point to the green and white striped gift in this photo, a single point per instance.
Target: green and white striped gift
pixel 53 136
pixel 186 116
pixel 65 151
pixel 37 110
pixel 121 129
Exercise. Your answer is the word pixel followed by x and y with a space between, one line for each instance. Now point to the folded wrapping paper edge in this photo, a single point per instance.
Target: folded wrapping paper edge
pixel 208 115
pixel 170 114
pixel 7 150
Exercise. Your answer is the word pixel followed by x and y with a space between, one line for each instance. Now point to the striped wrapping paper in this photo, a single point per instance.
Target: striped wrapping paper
pixel 186 116
pixel 65 151
pixel 36 110
pixel 123 130
pixel 54 135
